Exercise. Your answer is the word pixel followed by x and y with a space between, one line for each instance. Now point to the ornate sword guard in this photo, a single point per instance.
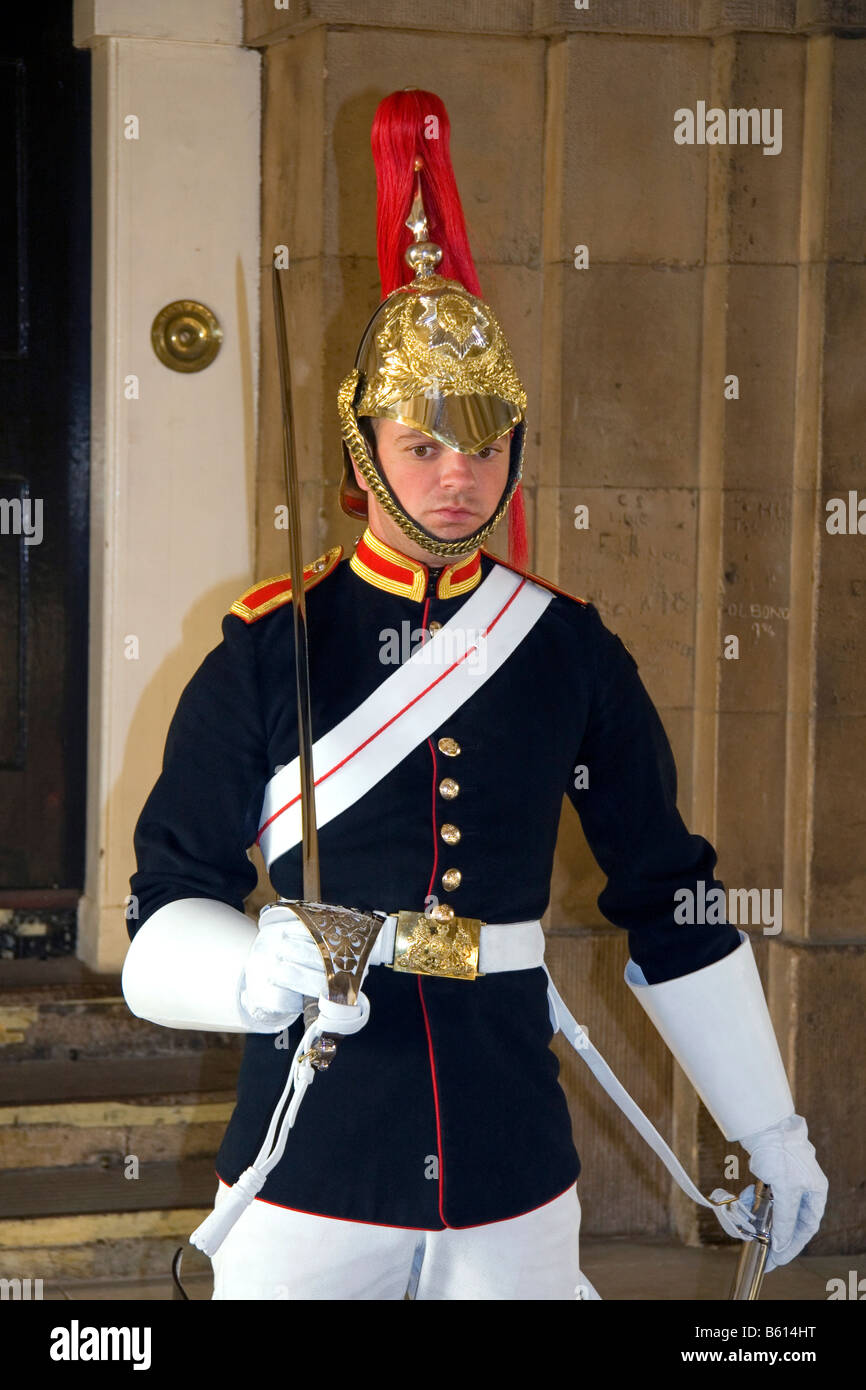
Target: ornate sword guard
pixel 345 938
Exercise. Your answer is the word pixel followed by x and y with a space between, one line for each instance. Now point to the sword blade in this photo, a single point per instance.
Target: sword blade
pixel 310 839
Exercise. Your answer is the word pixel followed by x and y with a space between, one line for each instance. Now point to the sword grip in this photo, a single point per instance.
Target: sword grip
pixel 753 1256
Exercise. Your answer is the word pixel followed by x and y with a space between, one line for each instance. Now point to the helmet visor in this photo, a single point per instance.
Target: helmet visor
pixel 465 423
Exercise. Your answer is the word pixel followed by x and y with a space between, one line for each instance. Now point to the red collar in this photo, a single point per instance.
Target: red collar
pixel 378 563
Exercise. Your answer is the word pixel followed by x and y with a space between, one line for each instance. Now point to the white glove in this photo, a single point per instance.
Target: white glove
pixel 783 1157
pixel 284 965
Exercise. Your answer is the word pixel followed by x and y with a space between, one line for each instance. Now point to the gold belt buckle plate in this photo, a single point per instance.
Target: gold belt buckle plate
pixel 425 946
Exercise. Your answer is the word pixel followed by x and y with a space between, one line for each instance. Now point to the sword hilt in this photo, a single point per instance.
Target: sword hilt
pixel 345 937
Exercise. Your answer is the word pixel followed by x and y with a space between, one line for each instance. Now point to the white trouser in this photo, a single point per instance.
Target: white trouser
pixel 275 1253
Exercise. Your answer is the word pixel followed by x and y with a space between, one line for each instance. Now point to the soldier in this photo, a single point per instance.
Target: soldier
pixel 452 697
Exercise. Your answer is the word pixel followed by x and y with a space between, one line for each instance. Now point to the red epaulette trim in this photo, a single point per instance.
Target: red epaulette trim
pixel 536 578
pixel 272 593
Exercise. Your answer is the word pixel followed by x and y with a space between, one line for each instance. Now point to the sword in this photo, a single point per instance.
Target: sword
pixel 310 839
pixel 753 1256
pixel 309 832
pixel 345 938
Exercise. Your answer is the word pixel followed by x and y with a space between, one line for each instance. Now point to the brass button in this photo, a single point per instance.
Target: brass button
pixel 451 878
pixel 434 626
pixel 449 746
pixel 449 788
pixel 442 912
pixel 450 834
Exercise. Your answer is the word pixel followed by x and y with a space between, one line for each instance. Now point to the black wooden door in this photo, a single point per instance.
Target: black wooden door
pixel 44 452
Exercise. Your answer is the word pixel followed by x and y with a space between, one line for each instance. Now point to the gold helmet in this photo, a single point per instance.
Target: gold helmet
pixel 433 357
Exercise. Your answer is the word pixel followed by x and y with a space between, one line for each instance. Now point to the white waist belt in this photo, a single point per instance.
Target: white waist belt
pixel 502 946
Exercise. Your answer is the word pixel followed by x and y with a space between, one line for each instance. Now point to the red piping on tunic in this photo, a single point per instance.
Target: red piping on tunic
pixel 435 836
pixel 386 1226
pixel 320 1216
pixel 420 991
pixel 433 756
pixel 436 1107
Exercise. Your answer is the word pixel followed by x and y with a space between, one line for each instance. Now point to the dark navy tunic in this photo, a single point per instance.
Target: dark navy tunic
pixel 445 1110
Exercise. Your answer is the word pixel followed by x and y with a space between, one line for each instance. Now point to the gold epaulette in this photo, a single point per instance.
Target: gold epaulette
pixel 272 593
pixel 536 578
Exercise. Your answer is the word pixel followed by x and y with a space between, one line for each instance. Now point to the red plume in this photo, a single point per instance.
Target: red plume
pixel 518 545
pixel 408 126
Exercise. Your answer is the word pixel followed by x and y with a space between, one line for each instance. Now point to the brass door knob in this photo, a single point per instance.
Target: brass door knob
pixel 186 336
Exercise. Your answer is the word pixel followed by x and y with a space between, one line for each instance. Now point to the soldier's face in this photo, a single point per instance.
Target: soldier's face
pixel 447 493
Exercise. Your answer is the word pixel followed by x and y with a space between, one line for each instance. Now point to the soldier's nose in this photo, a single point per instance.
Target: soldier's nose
pixel 455 467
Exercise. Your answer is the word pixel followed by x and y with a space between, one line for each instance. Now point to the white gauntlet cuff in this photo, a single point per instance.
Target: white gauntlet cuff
pixel 185 965
pixel 718 1027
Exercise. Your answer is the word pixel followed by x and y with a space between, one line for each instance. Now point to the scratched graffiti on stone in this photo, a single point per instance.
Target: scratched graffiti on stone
pixel 638 564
